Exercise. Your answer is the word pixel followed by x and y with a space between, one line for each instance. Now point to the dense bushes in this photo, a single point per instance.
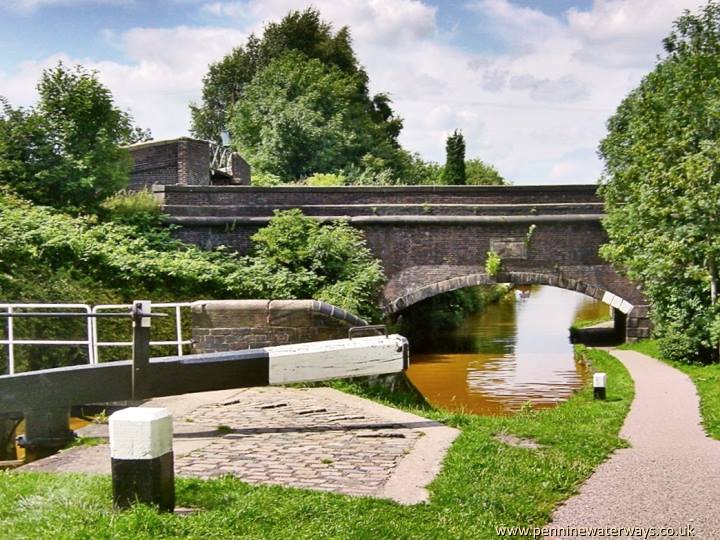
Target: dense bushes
pixel 293 257
pixel 47 256
pixel 661 187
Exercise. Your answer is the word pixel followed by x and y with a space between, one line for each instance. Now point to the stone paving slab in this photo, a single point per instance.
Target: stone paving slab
pixel 315 438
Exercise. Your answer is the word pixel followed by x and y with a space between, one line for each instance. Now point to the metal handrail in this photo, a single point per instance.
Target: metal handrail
pixel 179 341
pixel 91 313
pixel 10 340
pixel 373 327
pixel 220 158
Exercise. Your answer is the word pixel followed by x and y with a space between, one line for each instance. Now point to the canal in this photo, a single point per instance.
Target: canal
pixel 517 351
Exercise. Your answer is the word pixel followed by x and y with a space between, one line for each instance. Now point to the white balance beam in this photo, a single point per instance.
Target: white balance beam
pixel 337 359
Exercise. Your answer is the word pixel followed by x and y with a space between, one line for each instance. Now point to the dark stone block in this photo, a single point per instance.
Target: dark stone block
pixel 150 481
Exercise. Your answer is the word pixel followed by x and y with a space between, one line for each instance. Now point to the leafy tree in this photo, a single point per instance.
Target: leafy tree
pixel 480 173
pixel 454 171
pixel 299 31
pixel 65 152
pixel 299 116
pixel 661 186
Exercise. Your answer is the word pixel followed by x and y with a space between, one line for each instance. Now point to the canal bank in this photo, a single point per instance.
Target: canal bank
pixel 486 482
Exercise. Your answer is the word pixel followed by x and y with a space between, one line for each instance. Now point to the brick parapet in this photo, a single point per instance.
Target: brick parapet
pixel 226 325
pixel 183 162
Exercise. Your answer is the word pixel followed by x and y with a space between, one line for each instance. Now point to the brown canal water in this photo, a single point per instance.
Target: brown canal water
pixel 514 352
pixel 73 424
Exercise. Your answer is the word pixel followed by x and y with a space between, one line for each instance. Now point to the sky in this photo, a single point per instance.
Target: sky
pixel 531 83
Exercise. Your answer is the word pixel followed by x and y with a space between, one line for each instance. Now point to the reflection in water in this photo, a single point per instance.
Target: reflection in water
pixel 515 351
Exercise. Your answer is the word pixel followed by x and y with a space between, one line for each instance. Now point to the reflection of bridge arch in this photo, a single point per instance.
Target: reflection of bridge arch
pixel 515 278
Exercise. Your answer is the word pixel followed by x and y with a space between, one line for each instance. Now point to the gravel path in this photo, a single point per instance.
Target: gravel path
pixel 670 477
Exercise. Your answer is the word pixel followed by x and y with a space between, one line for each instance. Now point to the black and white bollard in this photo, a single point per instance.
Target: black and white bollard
pixel 599 384
pixel 142 458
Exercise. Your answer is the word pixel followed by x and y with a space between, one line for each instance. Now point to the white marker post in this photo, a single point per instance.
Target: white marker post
pixel 142 458
pixel 599 384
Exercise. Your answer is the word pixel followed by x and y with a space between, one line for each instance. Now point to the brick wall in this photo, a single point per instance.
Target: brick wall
pixel 183 161
pixel 428 235
pixel 240 170
pixel 153 164
pixel 377 196
pixel 193 162
pixel 227 325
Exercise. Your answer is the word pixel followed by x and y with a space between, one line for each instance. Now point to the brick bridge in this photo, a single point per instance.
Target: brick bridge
pixel 433 239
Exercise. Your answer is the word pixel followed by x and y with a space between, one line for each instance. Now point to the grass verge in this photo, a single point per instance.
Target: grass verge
pixel 484 483
pixel 705 376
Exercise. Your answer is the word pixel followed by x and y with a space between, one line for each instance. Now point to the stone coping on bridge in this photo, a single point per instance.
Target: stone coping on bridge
pixel 394 220
pixel 226 325
pixel 515 278
pixel 590 189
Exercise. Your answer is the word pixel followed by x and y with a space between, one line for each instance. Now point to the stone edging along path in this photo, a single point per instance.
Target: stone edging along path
pixel 669 477
pixel 316 438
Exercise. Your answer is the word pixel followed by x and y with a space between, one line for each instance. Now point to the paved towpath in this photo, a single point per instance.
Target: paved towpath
pixel 670 477
pixel 315 438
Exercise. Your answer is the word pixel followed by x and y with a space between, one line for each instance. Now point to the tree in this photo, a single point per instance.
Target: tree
pixel 454 171
pixel 299 31
pixel 299 116
pixel 65 152
pixel 480 173
pixel 661 186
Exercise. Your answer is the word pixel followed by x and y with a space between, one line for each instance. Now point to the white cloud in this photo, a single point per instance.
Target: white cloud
pixel 523 27
pixel 164 73
pixel 537 110
pixel 561 90
pixel 380 22
pixel 625 32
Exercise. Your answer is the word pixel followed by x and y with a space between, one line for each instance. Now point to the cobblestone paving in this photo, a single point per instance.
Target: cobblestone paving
pixel 297 438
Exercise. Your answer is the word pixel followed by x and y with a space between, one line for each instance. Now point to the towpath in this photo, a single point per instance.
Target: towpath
pixel 669 477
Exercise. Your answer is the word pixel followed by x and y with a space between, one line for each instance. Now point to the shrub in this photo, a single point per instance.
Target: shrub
pixel 480 173
pixel 680 347
pixel 493 264
pixel 139 208
pixel 263 179
pixel 296 256
pixel 326 180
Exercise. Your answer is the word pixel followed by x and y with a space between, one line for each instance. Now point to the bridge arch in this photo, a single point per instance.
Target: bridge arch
pixel 409 298
pixel 433 239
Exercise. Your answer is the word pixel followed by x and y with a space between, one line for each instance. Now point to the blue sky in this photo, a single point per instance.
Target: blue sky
pixel 530 83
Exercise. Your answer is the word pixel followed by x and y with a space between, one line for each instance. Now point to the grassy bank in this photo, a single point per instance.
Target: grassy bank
pixel 705 376
pixel 483 484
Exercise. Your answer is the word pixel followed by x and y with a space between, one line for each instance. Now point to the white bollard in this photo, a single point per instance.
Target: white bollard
pixel 142 457
pixel 599 384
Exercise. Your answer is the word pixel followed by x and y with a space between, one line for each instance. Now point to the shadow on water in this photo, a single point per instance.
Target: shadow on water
pixel 596 337
pixel 513 352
